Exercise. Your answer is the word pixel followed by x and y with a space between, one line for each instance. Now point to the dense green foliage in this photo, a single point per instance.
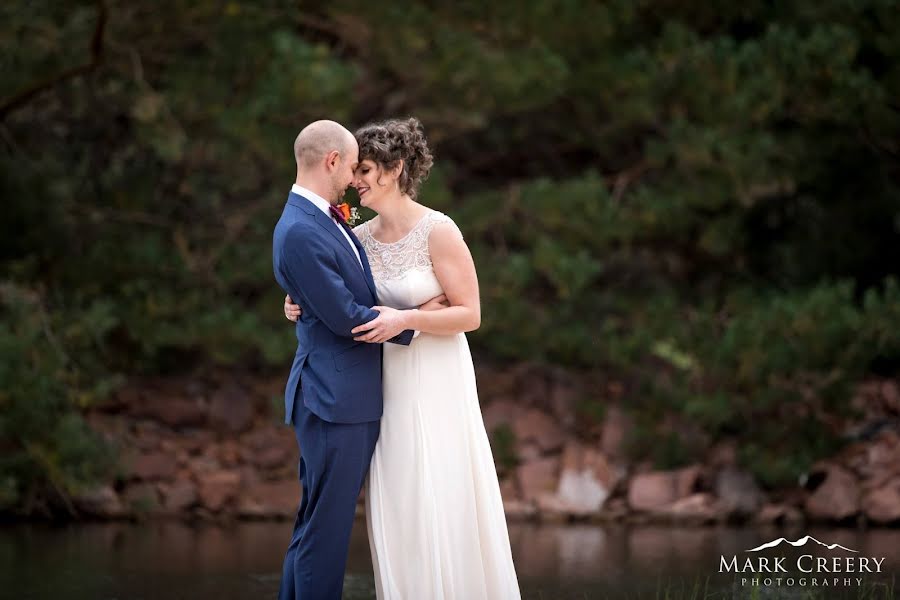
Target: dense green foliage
pixel 700 199
pixel 45 359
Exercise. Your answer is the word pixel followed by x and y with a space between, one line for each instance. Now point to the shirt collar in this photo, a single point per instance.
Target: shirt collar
pixel 313 197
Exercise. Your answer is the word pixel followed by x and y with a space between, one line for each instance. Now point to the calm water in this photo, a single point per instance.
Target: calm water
pixel 243 561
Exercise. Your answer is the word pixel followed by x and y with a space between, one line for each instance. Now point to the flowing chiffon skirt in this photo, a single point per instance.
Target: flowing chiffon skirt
pixel 436 524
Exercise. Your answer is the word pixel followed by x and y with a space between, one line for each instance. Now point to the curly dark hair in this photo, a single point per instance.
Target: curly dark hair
pixel 388 142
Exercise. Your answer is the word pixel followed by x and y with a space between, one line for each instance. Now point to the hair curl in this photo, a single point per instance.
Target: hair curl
pixel 388 142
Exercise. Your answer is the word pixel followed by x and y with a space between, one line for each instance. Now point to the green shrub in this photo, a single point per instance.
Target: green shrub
pixel 49 452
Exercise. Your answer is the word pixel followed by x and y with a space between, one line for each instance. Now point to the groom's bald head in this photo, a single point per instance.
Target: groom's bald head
pixel 318 140
pixel 326 156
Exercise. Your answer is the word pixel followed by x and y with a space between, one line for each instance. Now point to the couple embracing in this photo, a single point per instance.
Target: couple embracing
pixel 382 385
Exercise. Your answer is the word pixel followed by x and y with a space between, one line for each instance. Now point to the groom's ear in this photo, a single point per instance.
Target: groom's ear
pixel 332 160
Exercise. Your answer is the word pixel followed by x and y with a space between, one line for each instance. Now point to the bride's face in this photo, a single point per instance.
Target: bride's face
pixel 373 183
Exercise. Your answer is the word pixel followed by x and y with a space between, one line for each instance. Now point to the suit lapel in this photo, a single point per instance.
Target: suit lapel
pixel 332 228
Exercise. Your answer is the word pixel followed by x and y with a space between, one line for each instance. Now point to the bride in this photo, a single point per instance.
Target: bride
pixel 435 517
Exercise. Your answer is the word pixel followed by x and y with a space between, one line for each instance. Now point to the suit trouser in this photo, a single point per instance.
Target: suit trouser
pixel 334 460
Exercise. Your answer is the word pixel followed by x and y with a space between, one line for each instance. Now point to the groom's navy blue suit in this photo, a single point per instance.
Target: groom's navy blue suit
pixel 336 409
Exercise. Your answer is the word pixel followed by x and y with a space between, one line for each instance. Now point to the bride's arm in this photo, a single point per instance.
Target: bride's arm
pixel 455 270
pixel 293 311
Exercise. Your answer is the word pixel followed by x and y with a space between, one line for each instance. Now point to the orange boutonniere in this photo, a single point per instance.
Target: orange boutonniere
pixel 350 214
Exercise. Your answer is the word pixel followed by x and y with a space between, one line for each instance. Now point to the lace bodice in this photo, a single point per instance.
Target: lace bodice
pixel 392 260
pixel 403 270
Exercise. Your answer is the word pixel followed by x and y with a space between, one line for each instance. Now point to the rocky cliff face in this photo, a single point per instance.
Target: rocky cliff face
pixel 213 447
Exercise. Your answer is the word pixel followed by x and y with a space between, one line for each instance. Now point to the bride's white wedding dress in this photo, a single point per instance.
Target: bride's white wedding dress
pixel 436 524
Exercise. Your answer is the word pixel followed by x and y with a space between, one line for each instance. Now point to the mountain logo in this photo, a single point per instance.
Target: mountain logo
pixel 800 542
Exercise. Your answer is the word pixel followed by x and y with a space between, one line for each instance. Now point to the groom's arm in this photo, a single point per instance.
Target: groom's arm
pixel 311 269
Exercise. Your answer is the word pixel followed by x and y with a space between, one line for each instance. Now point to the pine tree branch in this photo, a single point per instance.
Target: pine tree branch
pixel 23 97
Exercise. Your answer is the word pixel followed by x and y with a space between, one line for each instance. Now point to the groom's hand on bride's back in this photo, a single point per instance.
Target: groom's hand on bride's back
pixel 388 324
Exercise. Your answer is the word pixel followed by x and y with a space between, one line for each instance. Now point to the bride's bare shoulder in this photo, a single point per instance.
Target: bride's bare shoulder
pixel 443 236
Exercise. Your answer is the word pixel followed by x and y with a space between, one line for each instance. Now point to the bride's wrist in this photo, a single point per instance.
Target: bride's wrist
pixel 412 318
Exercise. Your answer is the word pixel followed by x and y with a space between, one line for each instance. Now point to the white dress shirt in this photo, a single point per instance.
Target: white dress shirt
pixel 323 205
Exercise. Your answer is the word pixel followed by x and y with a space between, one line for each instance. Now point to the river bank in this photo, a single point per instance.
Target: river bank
pixel 211 447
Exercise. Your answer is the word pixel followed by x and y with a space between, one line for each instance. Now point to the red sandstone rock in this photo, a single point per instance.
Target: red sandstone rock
pixel 613 432
pixel 231 410
pixel 218 488
pixel 517 510
pixel 586 480
pixel 779 514
pixel 687 480
pixel 652 491
pixel 528 451
pixel 270 448
pixel 870 466
pixel 563 401
pixel 540 428
pixel 699 507
pixel 509 490
pixel 836 498
pixel 500 412
pixel 738 493
pixel 229 453
pixel 204 465
pixel 196 442
pixel 891 396
pixel 174 412
pixel 882 504
pixel 271 499
pixel 538 477
pixel 273 457
pixel 152 466
pixel 179 496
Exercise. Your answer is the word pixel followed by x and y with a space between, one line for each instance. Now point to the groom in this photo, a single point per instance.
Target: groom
pixel 335 413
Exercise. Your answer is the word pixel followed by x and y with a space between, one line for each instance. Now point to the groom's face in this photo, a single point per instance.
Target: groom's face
pixel 343 174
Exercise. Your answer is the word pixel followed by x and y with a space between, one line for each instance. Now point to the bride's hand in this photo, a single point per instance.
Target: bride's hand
pixel 291 311
pixel 436 303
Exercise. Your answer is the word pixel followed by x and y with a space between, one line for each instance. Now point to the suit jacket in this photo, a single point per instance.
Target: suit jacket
pixel 315 265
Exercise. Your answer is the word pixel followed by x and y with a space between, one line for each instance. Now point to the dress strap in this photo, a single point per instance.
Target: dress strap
pixel 433 218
